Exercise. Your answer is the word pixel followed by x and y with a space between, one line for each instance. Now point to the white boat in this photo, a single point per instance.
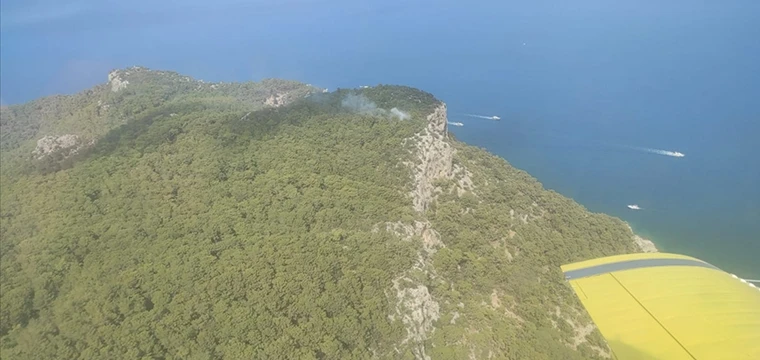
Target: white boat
pixel 634 207
pixel 678 154
pixel 495 117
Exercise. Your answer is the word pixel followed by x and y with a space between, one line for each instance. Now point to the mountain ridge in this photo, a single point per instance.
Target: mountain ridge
pixel 160 85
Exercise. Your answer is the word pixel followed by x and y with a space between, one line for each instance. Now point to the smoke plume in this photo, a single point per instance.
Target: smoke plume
pixel 362 105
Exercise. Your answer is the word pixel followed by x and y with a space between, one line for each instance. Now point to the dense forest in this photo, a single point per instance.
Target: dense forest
pixel 272 220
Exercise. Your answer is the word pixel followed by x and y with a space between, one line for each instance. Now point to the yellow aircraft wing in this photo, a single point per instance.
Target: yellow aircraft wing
pixel 668 306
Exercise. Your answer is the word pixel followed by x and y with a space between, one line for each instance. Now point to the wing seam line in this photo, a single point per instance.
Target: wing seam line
pixel 653 317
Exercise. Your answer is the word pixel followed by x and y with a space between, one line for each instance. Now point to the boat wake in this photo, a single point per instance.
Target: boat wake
pixel 494 117
pixel 659 152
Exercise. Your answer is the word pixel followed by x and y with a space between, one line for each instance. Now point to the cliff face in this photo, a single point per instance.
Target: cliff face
pixel 434 155
pixel 435 161
pixel 434 158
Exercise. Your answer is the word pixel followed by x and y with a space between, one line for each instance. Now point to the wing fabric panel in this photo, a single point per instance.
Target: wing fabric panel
pixel 624 322
pixel 669 310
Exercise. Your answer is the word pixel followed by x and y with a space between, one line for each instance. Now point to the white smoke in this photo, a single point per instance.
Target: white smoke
pixel 362 105
pixel 400 114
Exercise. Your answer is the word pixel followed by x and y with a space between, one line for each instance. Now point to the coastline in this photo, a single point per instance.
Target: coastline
pixel 645 245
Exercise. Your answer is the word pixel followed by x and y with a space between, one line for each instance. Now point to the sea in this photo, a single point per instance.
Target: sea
pixel 587 91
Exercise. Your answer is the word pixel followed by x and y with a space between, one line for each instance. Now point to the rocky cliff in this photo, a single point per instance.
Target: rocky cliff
pixel 435 161
pixel 433 154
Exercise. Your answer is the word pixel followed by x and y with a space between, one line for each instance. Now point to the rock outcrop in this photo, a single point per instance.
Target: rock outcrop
pixel 116 81
pixel 418 312
pixel 645 245
pixel 277 100
pixel 68 144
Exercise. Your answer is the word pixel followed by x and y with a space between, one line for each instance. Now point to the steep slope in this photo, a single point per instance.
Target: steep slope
pixel 300 225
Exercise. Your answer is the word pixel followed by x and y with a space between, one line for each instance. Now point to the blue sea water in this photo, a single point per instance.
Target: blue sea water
pixel 578 86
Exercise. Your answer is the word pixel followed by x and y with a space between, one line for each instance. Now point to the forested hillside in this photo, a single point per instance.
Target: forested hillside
pixel 271 220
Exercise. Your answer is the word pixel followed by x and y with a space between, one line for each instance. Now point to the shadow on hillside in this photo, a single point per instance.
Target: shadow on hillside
pixel 146 132
pixel 227 123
